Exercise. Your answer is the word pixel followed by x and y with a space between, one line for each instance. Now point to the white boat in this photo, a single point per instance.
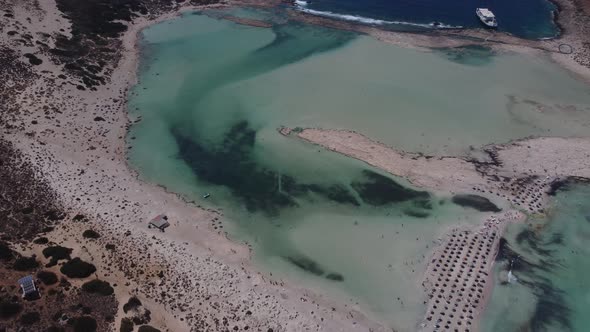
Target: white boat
pixel 486 17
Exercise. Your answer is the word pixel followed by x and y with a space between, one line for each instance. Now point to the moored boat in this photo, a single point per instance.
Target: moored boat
pixel 486 17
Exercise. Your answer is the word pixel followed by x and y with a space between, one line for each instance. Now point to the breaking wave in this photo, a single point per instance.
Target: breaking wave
pixel 302 6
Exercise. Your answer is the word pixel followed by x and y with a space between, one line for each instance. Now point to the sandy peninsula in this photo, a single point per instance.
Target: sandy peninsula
pixel 520 176
pixel 75 216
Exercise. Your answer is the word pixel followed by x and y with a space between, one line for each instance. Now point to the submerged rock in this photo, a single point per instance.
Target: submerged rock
pixel 416 213
pixel 479 203
pixel 377 190
pixel 306 264
pixel 335 277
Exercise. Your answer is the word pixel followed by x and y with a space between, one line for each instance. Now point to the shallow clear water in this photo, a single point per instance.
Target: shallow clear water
pixel 212 93
pixel 549 258
pixel 528 18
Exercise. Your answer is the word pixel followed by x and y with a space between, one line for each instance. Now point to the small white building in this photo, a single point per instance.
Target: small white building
pixel 160 222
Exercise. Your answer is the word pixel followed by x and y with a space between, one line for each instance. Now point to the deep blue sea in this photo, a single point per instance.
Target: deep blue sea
pixel 531 19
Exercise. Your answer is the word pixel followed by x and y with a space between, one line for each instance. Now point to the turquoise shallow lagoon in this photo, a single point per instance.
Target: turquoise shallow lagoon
pixel 212 93
pixel 548 257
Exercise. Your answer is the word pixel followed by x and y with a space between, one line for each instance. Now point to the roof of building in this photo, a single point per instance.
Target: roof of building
pixel 27 284
pixel 160 221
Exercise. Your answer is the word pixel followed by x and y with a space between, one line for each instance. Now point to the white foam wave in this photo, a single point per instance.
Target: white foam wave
pixel 511 277
pixel 302 6
pixel 439 25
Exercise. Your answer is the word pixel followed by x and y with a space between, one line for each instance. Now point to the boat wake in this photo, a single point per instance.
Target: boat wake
pixel 302 6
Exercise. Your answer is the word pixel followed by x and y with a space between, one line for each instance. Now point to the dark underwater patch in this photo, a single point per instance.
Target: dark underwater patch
pixel 303 40
pixel 425 204
pixel 416 213
pixel 470 55
pixel 306 264
pixel 336 193
pixel 558 185
pixel 529 238
pixel 378 190
pixel 551 308
pixel 556 238
pixel 565 184
pixel 517 262
pixel 231 164
pixel 310 266
pixel 479 203
pixel 335 277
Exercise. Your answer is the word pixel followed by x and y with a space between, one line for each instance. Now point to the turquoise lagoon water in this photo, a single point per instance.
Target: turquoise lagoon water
pixel 549 259
pixel 212 93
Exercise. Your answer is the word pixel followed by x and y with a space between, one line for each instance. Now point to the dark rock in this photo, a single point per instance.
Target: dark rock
pixel 335 277
pixel 378 190
pixel 416 213
pixel 306 264
pixel 479 203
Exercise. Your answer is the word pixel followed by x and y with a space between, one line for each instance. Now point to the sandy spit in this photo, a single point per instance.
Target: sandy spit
pixel 519 176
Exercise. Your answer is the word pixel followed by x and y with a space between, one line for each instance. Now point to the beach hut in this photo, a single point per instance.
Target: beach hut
pixel 160 222
pixel 27 285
